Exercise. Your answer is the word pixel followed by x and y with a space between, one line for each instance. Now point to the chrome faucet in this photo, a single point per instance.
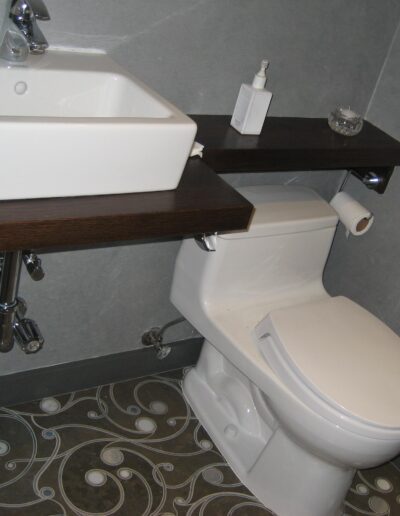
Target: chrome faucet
pixel 21 33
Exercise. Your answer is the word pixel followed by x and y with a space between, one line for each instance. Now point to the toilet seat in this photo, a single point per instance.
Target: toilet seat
pixel 339 360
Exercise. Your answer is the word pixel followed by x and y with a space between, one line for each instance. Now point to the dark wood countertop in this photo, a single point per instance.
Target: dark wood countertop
pixel 203 202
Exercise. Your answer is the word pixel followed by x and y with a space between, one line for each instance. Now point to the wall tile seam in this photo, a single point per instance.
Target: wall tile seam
pixel 382 70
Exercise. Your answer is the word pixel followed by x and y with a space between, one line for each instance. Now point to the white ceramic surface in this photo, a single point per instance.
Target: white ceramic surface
pixel 265 427
pixel 307 344
pixel 77 124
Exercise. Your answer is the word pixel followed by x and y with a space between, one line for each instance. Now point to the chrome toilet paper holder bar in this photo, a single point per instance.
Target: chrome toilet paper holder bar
pixel 374 178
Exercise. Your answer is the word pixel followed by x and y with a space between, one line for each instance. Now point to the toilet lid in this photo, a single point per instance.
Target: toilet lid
pixel 340 352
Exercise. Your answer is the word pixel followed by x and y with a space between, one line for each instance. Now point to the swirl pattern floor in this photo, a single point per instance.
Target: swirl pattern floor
pixel 136 449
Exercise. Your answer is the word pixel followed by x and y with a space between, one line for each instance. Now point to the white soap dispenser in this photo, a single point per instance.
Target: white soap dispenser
pixel 252 104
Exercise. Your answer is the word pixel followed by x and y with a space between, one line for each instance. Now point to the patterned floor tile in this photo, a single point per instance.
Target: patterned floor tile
pixel 135 449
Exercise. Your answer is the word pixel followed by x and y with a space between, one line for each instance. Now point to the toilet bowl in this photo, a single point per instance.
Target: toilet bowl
pixel 296 388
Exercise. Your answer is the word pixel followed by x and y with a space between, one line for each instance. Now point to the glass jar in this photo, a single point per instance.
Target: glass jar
pixel 345 121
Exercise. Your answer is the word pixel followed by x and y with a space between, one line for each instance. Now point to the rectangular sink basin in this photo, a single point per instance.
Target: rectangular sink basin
pixel 76 124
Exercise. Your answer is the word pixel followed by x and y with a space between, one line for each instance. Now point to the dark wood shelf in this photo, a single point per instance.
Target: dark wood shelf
pixel 203 202
pixel 296 144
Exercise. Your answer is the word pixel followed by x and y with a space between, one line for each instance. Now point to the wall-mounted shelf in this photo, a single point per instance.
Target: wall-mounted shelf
pixel 298 144
pixel 202 203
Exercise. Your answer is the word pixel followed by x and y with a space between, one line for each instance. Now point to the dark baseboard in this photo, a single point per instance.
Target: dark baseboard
pixel 83 374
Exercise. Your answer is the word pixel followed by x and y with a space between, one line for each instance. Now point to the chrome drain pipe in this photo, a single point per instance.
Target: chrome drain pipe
pixel 9 282
pixel 13 325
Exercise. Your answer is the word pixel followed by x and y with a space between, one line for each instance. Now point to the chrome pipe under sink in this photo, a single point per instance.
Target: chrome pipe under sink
pixel 13 325
pixel 9 282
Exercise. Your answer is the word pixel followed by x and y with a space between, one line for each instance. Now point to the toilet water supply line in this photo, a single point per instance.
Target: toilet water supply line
pixel 154 337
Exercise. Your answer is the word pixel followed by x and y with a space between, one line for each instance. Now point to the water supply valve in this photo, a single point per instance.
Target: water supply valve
pixel 27 335
pixel 13 324
pixel 154 337
pixel 33 265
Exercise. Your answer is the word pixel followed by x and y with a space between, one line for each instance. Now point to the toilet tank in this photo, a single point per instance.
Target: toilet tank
pixel 284 249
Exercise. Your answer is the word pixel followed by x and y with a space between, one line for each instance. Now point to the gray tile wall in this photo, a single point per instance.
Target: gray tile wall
pixel 196 53
pixel 366 268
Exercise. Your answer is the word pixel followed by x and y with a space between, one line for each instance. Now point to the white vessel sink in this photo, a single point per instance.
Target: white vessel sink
pixel 77 124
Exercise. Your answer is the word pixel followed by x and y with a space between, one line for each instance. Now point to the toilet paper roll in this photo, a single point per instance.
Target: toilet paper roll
pixel 352 214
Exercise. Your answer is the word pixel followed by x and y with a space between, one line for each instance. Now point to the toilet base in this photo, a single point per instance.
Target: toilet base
pixel 285 477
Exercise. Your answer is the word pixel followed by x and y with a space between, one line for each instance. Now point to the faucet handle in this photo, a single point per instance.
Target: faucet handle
pixel 39 10
pixel 23 11
pixel 33 265
pixel 14 46
pixel 28 335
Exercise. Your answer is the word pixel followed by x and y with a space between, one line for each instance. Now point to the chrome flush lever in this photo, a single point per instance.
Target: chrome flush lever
pixel 206 241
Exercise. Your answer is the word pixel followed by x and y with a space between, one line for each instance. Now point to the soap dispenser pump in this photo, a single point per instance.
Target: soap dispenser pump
pixel 252 104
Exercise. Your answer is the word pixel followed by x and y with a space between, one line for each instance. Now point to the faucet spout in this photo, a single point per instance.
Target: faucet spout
pixel 35 39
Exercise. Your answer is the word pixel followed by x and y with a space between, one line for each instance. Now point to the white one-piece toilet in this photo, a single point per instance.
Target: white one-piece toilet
pixel 296 388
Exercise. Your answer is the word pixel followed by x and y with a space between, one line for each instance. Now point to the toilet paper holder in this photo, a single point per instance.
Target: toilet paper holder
pixel 376 178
